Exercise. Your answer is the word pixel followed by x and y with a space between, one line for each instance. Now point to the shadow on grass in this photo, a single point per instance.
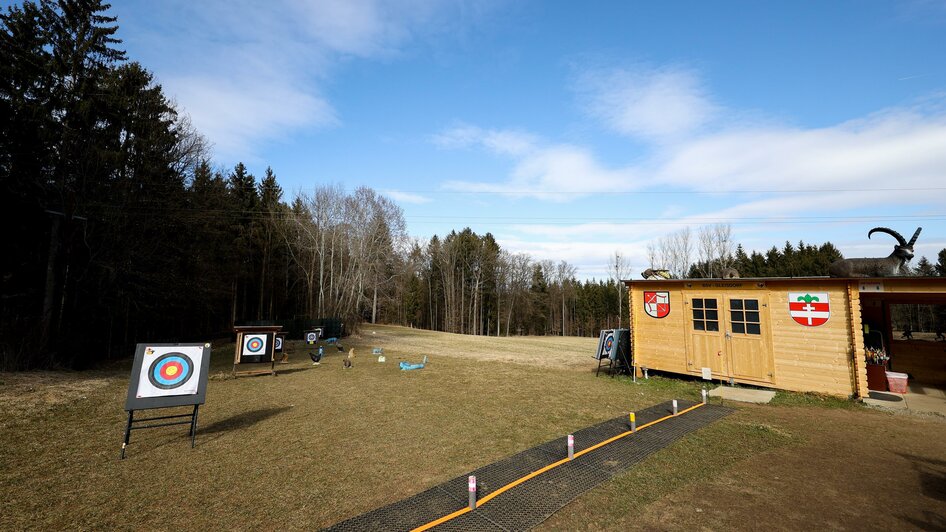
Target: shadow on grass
pixel 241 421
pixel 288 371
pixel 932 475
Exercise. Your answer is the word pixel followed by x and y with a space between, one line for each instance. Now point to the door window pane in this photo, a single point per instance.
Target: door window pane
pixel 744 321
pixel 705 315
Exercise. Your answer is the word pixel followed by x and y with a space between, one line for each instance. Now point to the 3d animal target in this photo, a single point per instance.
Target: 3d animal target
pixel 168 375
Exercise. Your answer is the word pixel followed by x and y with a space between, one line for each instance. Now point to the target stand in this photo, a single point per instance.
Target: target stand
pixel 613 354
pixel 167 376
pixel 254 353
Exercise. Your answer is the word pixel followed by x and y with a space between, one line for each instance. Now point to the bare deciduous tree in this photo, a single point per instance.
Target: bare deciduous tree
pixel 715 249
pixel 619 269
pixel 673 252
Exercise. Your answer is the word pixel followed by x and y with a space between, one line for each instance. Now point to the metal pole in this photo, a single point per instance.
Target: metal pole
pixel 472 488
pixel 131 416
pixel 571 446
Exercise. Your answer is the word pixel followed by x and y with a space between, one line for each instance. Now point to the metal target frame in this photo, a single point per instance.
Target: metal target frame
pixel 159 388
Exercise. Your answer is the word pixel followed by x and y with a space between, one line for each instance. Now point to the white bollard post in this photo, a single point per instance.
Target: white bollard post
pixel 571 446
pixel 704 396
pixel 633 422
pixel 674 407
pixel 472 487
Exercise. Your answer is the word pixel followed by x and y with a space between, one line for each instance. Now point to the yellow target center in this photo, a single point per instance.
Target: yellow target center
pixel 171 371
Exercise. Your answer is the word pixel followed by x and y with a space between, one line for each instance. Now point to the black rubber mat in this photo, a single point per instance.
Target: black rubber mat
pixel 536 499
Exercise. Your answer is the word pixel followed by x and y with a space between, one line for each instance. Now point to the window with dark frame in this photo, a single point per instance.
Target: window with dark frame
pixel 705 314
pixel 744 316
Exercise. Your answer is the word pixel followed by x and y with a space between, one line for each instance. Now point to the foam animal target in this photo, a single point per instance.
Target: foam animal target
pixel 169 370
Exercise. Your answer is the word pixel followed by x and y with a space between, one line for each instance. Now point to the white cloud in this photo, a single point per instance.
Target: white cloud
pixel 250 72
pixel 559 172
pixel 893 149
pixel 501 141
pixel 406 197
pixel 236 114
pixel 653 104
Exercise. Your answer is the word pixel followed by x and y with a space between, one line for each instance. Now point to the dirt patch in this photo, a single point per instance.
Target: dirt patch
pixel 39 391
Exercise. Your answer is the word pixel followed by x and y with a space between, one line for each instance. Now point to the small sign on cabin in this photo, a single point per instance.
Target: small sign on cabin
pixel 876 286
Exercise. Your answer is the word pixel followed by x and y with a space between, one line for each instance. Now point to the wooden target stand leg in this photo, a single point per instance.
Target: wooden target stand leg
pixel 131 425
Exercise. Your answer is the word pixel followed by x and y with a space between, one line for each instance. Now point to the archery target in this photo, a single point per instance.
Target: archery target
pixel 311 337
pixel 608 345
pixel 277 343
pixel 254 345
pixel 167 371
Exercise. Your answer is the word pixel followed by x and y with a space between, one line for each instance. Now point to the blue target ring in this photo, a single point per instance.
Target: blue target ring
pixel 170 371
pixel 608 343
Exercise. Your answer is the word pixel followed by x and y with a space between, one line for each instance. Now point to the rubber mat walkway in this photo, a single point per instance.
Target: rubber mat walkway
pixel 530 502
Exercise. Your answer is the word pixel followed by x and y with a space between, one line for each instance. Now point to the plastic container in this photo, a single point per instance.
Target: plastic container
pixel 897 382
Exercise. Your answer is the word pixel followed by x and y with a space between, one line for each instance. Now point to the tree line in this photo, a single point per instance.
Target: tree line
pixel 119 229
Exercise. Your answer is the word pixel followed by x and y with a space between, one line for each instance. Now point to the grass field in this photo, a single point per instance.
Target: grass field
pixel 316 445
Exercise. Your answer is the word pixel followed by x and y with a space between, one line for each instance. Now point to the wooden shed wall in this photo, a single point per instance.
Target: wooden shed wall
pixel 808 359
pixel 813 359
pixel 660 343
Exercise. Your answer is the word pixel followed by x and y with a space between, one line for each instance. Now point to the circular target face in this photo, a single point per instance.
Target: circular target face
pixel 254 345
pixel 278 343
pixel 311 337
pixel 608 343
pixel 170 371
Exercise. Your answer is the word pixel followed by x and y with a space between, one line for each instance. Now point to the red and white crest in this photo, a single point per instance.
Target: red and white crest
pixel 810 310
pixel 657 304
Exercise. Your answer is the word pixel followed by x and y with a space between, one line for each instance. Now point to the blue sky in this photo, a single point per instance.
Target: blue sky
pixel 571 130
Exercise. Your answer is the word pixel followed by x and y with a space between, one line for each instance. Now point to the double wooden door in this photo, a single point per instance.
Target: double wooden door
pixel 729 333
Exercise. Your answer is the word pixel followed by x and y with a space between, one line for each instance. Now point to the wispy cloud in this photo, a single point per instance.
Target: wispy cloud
pixel 501 141
pixel 896 148
pixel 407 197
pixel 647 103
pixel 249 72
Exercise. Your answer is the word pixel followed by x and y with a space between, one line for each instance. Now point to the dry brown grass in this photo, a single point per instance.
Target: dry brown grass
pixel 319 444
